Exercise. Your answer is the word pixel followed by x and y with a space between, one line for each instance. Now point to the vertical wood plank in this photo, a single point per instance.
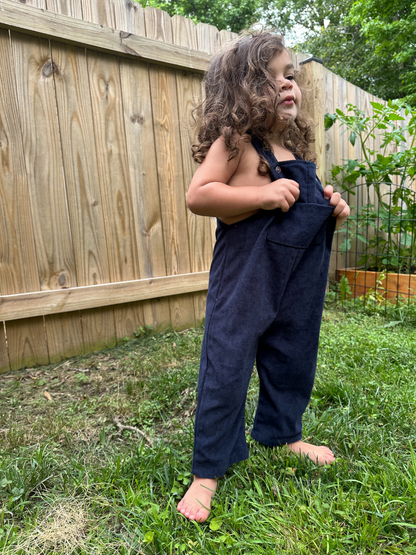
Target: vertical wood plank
pixel 18 266
pixel 84 195
pixel 27 343
pixel 52 234
pixel 208 38
pixel 4 355
pixel 71 8
pixel 98 11
pixel 137 105
pixel 169 165
pixel 313 105
pixel 189 96
pixel 129 17
pixel 226 37
pixel 113 170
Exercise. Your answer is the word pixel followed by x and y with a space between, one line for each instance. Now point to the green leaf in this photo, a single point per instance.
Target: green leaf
pixel 329 121
pixel 377 105
pixel 215 524
pixel 395 117
pixel 148 537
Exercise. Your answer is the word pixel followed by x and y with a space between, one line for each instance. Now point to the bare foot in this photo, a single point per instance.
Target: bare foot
pixel 319 454
pixel 196 503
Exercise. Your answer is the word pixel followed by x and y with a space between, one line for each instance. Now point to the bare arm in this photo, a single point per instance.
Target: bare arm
pixel 209 194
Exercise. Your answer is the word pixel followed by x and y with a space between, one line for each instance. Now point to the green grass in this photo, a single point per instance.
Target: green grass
pixel 72 482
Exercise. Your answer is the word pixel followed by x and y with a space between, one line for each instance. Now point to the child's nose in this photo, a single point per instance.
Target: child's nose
pixel 285 84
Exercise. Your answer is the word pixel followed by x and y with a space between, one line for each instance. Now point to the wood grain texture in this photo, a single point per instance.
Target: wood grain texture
pixel 129 17
pixel 101 12
pixel 64 336
pixel 208 38
pixel 4 355
pixel 62 28
pixel 85 205
pixel 313 105
pixel 52 234
pixel 99 329
pixel 27 343
pixel 71 8
pixel 169 165
pixel 113 172
pixel 27 305
pixel 18 267
pixel 113 169
pixel 47 191
pixel 142 164
pixel 225 37
pixel 80 164
pixel 189 96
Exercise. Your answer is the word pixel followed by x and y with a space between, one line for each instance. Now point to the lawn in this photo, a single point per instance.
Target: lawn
pixel 74 480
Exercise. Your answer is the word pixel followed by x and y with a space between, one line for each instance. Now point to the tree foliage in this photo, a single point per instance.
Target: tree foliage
pixel 237 15
pixel 371 43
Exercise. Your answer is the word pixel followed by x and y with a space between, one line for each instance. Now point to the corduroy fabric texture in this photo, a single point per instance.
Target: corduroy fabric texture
pixel 264 304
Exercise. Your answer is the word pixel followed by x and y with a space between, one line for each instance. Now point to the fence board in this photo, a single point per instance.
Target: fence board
pixel 71 8
pixel 226 37
pixel 113 174
pixel 189 95
pixel 137 105
pixel 118 195
pixel 64 336
pixel 129 17
pixel 28 305
pixel 51 231
pixel 101 12
pixel 27 343
pixel 170 173
pixel 84 33
pixel 18 270
pixel 34 78
pixel 84 195
pixel 313 104
pixel 4 355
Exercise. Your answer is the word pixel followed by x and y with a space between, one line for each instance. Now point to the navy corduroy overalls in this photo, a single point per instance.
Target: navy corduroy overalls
pixel 265 300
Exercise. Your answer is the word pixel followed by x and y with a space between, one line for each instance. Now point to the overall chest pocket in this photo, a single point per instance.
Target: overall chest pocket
pixel 303 225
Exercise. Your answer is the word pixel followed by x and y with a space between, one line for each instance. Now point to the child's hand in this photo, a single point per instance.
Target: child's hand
pixel 341 210
pixel 282 194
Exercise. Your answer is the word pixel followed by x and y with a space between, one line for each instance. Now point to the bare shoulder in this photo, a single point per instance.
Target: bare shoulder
pixel 218 165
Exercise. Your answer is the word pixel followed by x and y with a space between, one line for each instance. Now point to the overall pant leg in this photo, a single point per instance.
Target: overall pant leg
pixel 287 351
pixel 238 312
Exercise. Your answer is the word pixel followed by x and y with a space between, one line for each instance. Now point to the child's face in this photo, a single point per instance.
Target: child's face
pixel 281 67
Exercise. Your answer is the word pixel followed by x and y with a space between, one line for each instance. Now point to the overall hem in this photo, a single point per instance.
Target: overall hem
pixel 209 474
pixel 278 442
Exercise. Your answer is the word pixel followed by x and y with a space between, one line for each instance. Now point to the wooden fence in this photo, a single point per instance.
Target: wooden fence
pixel 95 135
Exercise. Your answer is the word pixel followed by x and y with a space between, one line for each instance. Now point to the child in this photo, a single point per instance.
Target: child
pixel 270 263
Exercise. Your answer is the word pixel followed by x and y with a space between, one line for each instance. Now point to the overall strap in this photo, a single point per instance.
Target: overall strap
pixel 275 172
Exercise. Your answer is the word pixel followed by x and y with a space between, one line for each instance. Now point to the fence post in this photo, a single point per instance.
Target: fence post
pixel 313 104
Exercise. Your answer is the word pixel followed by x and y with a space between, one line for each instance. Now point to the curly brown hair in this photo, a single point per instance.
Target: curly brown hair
pixel 237 102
